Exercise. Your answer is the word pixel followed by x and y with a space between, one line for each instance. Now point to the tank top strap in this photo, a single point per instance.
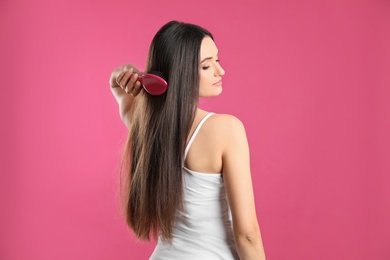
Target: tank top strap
pixel 195 133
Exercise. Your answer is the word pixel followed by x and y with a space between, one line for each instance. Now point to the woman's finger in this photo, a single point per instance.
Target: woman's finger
pixel 125 78
pixel 137 88
pixel 133 79
pixel 119 78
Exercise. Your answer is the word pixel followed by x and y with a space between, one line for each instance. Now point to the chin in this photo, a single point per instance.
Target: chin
pixel 211 94
pixel 219 91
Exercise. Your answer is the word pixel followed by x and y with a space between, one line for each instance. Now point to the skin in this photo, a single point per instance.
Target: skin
pixel 211 72
pixel 225 133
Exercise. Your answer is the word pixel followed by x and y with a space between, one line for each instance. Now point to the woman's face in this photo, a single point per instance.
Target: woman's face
pixel 211 72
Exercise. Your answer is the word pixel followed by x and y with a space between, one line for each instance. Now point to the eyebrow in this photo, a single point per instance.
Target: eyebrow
pixel 208 58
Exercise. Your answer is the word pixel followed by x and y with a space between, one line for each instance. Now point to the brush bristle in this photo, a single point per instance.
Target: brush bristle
pixel 158 73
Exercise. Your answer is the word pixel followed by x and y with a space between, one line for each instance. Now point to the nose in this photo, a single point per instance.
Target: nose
pixel 219 70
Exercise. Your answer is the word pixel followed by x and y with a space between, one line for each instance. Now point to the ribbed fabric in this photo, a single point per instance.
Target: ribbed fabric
pixel 204 229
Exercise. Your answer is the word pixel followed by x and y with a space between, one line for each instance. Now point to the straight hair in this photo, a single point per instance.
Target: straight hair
pixel 152 185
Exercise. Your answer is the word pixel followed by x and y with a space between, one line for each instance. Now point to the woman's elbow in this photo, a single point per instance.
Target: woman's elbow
pixel 252 239
pixel 250 246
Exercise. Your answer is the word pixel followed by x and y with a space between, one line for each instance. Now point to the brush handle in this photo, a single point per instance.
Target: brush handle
pixel 141 77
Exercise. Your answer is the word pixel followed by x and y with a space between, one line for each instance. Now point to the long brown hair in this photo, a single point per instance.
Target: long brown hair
pixel 159 129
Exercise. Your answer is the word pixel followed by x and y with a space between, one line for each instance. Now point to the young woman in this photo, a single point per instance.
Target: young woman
pixel 188 178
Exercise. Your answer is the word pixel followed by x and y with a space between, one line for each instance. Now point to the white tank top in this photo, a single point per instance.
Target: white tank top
pixel 204 229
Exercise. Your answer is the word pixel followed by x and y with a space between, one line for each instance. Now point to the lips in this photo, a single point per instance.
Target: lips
pixel 219 83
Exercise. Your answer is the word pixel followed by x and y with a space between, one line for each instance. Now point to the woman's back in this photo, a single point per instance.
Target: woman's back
pixel 205 150
pixel 203 229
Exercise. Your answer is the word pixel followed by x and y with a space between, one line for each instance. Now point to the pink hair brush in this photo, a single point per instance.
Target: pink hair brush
pixel 153 82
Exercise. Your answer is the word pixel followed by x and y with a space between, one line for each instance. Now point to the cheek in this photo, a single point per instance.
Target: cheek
pixel 205 75
pixel 202 80
pixel 202 85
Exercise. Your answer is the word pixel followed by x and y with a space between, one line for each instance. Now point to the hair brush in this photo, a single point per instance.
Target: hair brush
pixel 153 82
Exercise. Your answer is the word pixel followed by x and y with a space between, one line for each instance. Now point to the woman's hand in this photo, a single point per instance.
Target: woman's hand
pixel 125 77
pixel 123 81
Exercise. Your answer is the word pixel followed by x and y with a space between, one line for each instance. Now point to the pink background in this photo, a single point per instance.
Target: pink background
pixel 309 79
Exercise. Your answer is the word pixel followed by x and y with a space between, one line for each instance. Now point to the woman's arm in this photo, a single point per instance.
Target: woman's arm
pixel 124 87
pixel 238 183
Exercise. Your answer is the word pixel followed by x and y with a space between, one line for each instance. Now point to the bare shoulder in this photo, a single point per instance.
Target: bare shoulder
pixel 226 126
pixel 226 132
